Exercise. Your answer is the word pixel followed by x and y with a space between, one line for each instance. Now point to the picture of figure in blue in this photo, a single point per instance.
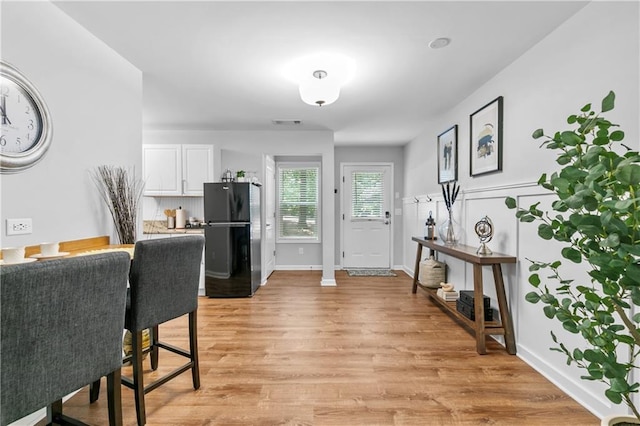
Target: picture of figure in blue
pixel 448 148
pixel 485 141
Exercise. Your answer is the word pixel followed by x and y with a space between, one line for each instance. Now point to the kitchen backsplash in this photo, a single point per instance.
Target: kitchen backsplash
pixel 153 207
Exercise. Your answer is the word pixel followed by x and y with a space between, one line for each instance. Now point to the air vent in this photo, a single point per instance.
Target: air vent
pixel 287 122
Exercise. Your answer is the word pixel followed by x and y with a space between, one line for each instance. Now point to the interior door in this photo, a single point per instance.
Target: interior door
pixel 270 217
pixel 366 236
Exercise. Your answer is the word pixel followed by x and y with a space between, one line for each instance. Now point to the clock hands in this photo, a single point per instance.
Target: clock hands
pixel 3 107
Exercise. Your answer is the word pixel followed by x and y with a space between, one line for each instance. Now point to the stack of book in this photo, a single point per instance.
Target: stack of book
pixel 465 305
pixel 448 296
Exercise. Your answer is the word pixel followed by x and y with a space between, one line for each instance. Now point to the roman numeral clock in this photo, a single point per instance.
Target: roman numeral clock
pixel 25 122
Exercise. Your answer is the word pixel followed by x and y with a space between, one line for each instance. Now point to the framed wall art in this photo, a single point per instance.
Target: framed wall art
pixel 485 134
pixel 448 155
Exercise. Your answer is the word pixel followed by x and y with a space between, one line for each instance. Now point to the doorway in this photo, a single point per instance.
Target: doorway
pixel 269 248
pixel 366 215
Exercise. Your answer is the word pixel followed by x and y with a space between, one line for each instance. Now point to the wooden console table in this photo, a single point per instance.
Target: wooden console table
pixel 479 326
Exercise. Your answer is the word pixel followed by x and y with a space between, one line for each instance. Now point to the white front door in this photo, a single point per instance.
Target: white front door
pixel 366 215
pixel 269 243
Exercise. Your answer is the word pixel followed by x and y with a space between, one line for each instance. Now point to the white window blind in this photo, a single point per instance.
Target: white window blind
pixel 367 199
pixel 298 202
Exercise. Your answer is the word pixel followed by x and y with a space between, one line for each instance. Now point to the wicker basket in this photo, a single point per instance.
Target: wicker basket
pixel 432 273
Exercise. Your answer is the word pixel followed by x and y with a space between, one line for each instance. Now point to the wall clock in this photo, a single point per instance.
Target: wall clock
pixel 25 123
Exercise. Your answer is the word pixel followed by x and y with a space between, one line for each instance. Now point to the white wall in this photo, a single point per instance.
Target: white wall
pixel 595 51
pixel 95 100
pixel 230 146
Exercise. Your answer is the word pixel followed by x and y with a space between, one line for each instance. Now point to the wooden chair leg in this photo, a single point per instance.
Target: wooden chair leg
pixel 153 339
pixel 193 347
pixel 114 397
pixel 138 384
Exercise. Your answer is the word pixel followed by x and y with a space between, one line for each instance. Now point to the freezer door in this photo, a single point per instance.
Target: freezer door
pixel 228 260
pixel 226 202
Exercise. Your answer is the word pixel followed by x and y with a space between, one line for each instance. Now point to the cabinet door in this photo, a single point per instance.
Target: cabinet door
pixel 197 168
pixel 162 169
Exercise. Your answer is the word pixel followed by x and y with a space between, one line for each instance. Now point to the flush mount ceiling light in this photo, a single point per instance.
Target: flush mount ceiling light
pixel 439 43
pixel 319 89
pixel 320 76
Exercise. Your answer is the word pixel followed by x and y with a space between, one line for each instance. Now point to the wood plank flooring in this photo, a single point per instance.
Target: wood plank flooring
pixel 367 352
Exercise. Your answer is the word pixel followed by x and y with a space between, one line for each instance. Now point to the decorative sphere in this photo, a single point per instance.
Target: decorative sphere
pixel 484 229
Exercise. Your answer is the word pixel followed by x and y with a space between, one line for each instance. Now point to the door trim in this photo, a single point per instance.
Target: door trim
pixel 342 212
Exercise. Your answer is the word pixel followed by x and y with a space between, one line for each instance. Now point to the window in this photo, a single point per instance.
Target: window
pixel 298 206
pixel 367 191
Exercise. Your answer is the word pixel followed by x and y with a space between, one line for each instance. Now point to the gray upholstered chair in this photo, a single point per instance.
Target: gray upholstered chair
pixel 61 329
pixel 164 280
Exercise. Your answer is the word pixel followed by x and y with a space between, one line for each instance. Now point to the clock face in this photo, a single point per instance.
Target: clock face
pixel 20 118
pixel 25 124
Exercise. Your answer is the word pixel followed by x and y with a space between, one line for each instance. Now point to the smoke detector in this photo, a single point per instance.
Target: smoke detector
pixel 439 43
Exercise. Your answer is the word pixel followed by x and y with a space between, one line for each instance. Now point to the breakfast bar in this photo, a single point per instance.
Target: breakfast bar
pixel 79 247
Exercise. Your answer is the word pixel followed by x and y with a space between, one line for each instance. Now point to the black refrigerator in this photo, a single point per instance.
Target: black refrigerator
pixel 232 239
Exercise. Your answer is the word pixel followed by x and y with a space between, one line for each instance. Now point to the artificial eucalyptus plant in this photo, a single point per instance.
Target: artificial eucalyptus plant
pixel 121 192
pixel 596 217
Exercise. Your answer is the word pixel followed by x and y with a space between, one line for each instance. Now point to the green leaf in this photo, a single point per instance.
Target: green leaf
pixel 617 135
pixel 594 356
pixel 570 138
pixel 623 205
pixel 510 202
pixel 570 326
pixel 545 231
pixel 601 140
pixel 549 311
pixel 633 273
pixel 538 133
pixel 532 297
pixel 571 254
pixel 561 183
pixel 614 397
pixel 612 241
pixel 586 108
pixel 629 174
pixel 622 338
pixel 619 385
pixel 608 102
pixel 534 280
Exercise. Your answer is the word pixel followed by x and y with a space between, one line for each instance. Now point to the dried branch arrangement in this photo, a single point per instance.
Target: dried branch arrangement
pixel 450 194
pixel 121 192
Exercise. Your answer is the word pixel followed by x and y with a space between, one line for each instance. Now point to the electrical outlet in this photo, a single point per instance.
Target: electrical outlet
pixel 19 226
pixel 300 250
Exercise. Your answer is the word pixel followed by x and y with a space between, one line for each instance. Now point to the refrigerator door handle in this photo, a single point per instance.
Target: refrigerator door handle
pixel 228 224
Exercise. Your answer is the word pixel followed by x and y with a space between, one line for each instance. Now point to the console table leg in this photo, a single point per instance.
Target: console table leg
pixel 478 302
pixel 505 315
pixel 416 270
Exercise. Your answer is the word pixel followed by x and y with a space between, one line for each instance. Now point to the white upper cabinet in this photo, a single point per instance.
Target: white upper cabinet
pixel 197 168
pixel 176 170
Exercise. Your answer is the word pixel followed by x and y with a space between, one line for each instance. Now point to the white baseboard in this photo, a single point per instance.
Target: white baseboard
pixel 298 268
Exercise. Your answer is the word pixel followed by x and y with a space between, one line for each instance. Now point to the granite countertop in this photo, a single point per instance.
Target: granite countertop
pixel 160 227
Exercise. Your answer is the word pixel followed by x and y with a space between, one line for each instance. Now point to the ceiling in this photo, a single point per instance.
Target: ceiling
pixel 221 65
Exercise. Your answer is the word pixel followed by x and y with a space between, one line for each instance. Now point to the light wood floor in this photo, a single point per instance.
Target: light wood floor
pixel 367 352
